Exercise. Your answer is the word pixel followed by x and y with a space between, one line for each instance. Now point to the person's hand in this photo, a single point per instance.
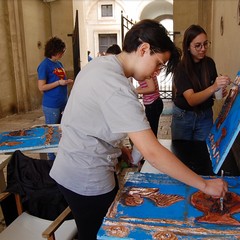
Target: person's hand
pixel 215 187
pixel 69 81
pixel 64 82
pixel 221 82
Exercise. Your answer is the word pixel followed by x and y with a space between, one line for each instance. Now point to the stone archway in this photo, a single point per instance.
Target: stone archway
pixel 158 10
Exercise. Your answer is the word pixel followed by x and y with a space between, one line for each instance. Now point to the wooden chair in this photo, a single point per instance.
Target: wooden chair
pixel 29 227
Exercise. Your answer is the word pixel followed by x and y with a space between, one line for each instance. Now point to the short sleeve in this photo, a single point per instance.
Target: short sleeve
pixel 124 113
pixel 182 81
pixel 42 71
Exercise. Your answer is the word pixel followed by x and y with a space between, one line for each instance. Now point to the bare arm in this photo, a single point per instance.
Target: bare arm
pixel 194 99
pixel 166 162
pixel 149 89
pixel 43 86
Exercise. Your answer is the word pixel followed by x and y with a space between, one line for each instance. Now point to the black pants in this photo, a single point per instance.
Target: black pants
pixel 88 211
pixel 153 112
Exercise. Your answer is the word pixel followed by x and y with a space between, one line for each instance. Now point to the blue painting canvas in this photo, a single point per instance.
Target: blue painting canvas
pixel 39 137
pixel 225 129
pixel 156 206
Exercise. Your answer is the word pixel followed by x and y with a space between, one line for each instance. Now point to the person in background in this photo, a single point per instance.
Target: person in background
pixel 100 54
pixel 103 109
pixel 153 108
pixel 196 80
pixel 113 49
pixel 89 57
pixel 52 82
pixel 152 102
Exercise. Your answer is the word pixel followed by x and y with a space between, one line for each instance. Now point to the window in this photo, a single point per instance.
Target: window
pixel 107 10
pixel 106 40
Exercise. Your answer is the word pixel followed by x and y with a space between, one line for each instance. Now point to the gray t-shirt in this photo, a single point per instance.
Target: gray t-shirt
pixel 102 108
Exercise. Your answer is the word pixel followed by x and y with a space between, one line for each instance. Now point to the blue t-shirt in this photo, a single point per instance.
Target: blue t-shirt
pixel 51 72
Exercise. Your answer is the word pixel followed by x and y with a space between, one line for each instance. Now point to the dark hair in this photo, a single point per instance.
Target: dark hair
pixel 156 35
pixel 54 46
pixel 187 61
pixel 114 49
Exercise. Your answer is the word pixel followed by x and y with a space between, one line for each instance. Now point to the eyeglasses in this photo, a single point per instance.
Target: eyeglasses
pixel 160 65
pixel 198 46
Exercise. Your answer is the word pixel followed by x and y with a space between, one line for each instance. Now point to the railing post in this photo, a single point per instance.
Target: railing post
pixel 122 27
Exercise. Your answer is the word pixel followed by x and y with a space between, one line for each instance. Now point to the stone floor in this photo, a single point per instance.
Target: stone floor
pixel 20 121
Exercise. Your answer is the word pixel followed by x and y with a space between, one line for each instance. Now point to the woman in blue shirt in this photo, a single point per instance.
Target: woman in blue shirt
pixel 52 82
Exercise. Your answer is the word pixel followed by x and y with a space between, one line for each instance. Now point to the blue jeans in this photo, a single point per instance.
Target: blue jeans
pixel 190 125
pixel 52 116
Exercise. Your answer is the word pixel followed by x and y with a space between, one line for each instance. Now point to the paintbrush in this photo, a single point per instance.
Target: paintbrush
pixel 221 199
pixel 236 81
pixel 232 82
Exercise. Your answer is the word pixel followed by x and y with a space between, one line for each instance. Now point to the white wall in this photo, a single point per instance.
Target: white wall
pixel 91 23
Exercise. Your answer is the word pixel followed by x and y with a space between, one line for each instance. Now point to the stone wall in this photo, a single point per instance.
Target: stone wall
pixel 25 26
pixel 208 14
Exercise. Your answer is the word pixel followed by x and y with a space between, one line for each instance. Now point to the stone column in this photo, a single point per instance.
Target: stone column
pixel 17 44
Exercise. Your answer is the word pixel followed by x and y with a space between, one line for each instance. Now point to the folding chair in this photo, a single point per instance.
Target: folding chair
pixel 28 179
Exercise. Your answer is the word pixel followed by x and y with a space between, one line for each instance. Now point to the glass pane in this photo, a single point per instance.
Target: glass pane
pixel 107 10
pixel 106 40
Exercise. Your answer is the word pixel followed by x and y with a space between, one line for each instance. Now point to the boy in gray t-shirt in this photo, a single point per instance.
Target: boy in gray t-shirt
pixel 102 110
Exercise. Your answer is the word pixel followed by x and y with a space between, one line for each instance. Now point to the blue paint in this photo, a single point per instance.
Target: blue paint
pixel 230 126
pixel 33 139
pixel 145 220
